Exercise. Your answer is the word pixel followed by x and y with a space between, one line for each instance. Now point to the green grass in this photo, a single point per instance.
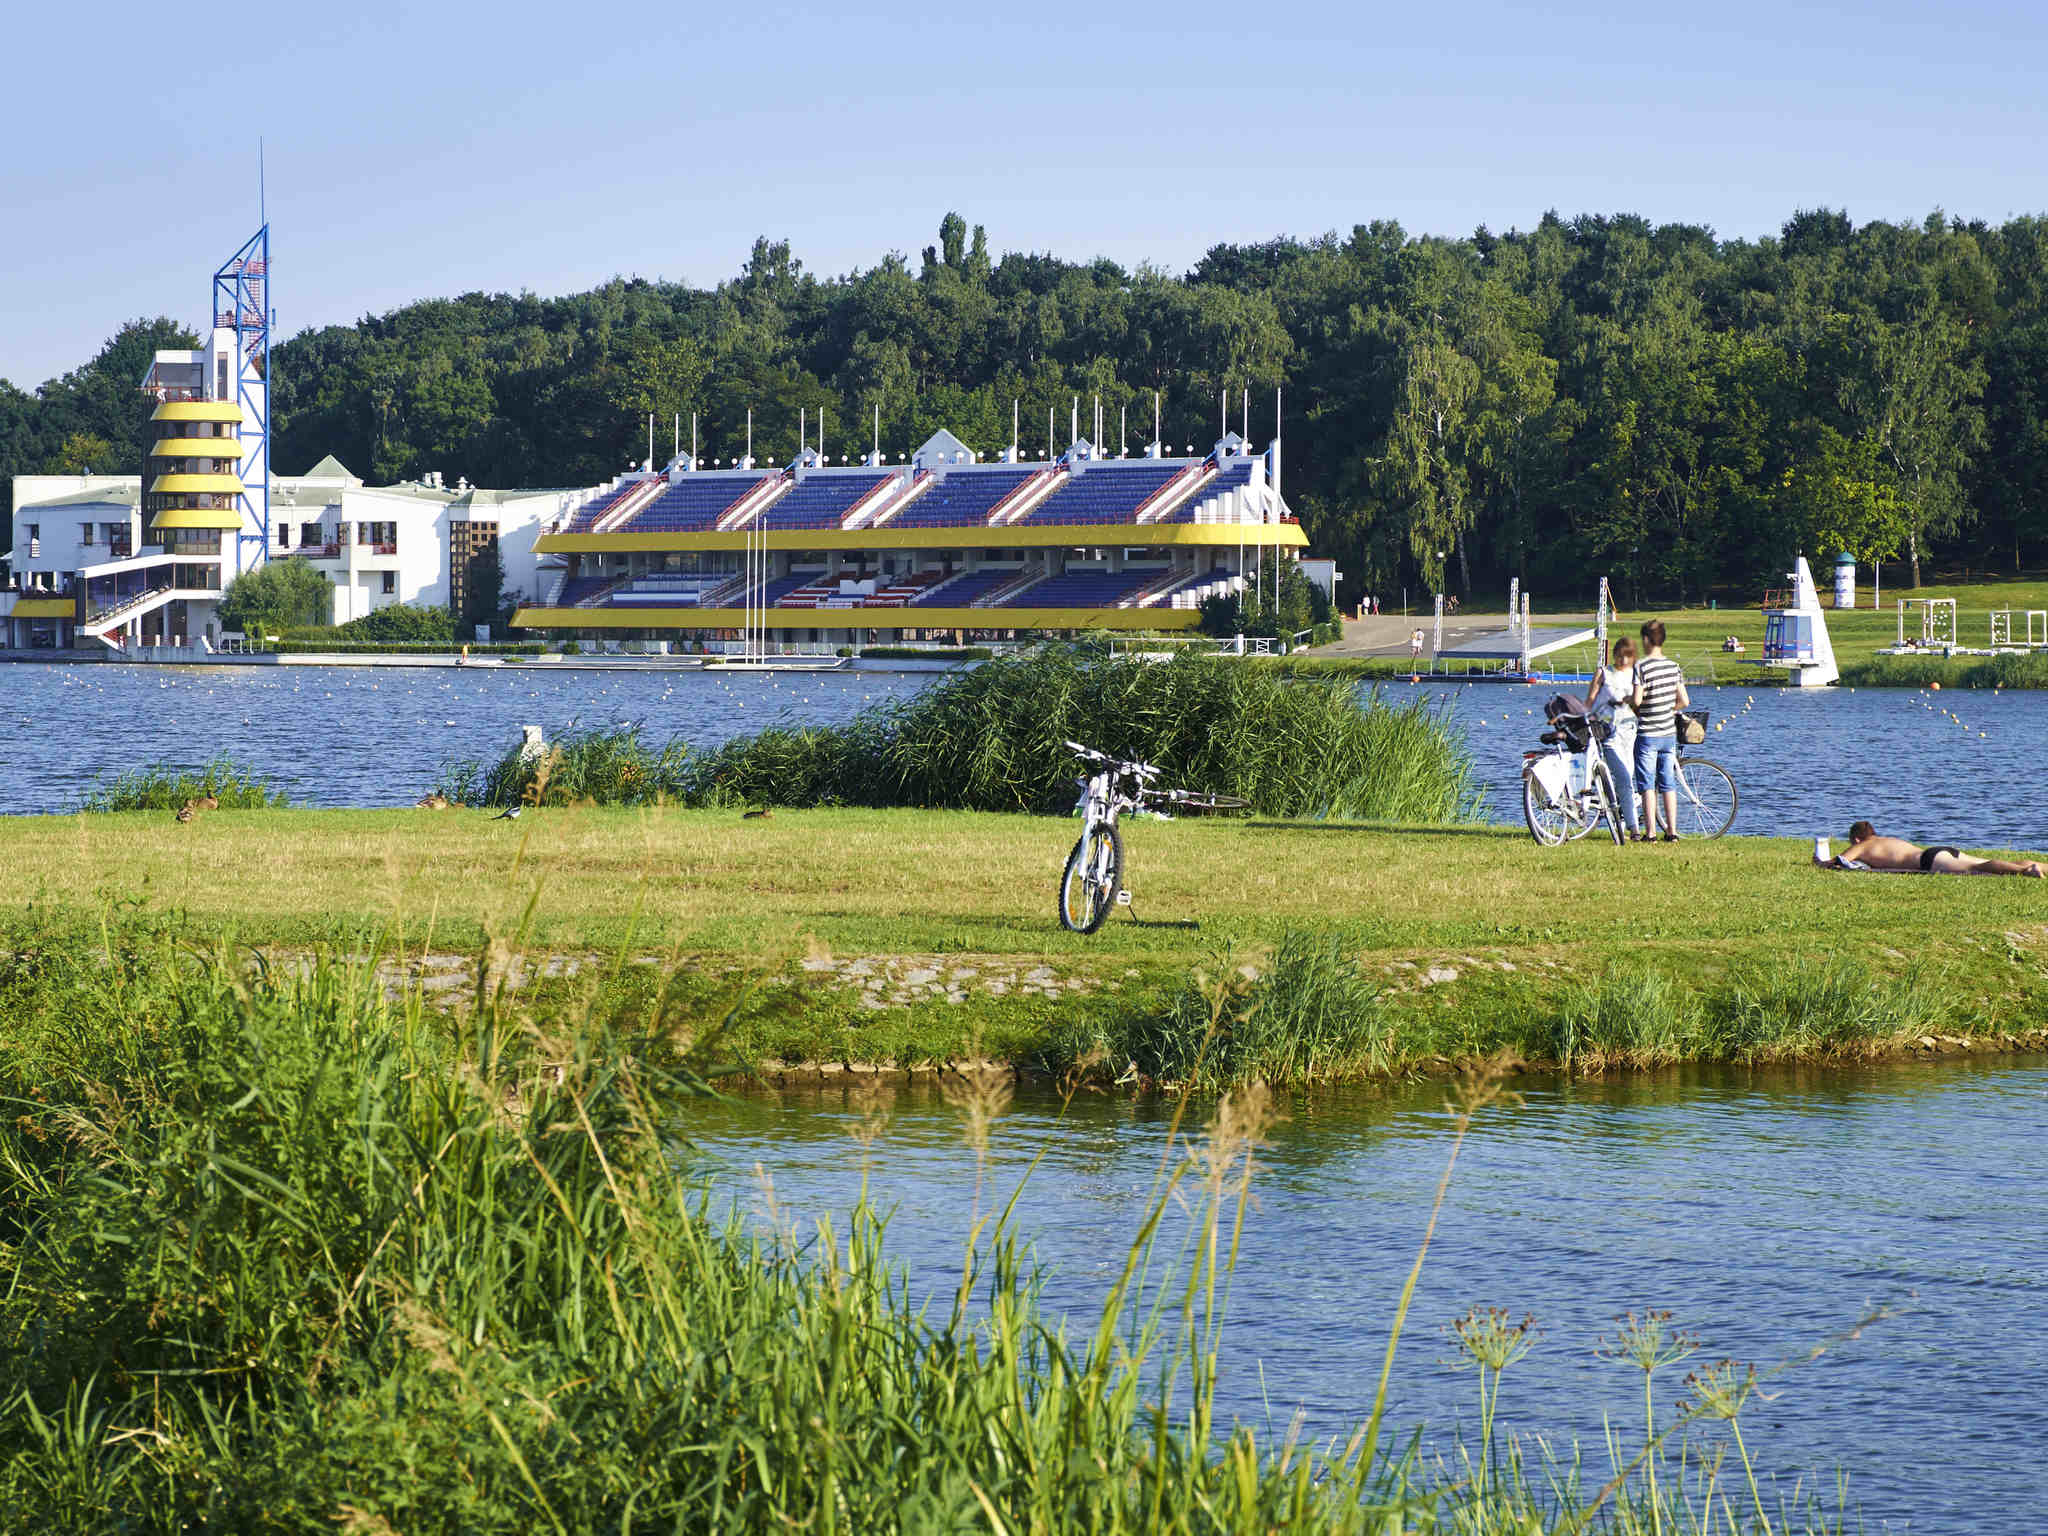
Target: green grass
pixel 1695 635
pixel 165 787
pixel 1472 938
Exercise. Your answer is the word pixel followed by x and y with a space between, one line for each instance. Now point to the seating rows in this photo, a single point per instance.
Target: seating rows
pixel 1103 494
pixel 822 501
pixel 579 590
pixel 1082 589
pixel 964 592
pixel 963 499
pixel 1234 476
pixel 696 503
pixel 597 506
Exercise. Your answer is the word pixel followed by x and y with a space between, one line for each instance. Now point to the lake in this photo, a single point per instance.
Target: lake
pixel 364 736
pixel 1769 1210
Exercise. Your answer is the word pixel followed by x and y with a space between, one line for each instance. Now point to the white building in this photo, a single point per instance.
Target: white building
pixel 96 564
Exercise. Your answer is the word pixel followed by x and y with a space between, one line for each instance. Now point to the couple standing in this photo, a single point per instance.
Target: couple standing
pixel 1641 700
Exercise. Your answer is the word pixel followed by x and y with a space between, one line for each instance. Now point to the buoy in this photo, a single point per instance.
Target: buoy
pixel 1935 686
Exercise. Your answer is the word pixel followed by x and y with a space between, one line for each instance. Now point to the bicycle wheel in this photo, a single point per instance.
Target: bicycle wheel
pixel 1706 797
pixel 1200 803
pixel 1093 875
pixel 1610 806
pixel 1547 821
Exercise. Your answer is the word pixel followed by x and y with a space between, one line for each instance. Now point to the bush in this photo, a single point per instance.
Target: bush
pixel 2013 671
pixel 161 787
pixel 400 622
pixel 402 648
pixel 276 594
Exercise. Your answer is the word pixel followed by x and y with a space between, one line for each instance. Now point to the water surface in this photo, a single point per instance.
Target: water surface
pixel 1769 1210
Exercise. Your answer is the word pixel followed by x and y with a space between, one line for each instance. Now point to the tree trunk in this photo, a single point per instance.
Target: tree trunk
pixel 1913 554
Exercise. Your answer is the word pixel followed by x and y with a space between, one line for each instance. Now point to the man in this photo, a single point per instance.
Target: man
pixel 1415 646
pixel 1874 852
pixel 1660 694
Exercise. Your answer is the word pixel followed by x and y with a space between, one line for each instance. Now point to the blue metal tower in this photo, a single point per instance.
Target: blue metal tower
pixel 241 303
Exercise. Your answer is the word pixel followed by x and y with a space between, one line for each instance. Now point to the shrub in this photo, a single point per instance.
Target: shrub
pixel 601 765
pixel 400 622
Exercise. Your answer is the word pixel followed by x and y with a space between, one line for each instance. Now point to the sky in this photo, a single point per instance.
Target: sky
pixel 415 151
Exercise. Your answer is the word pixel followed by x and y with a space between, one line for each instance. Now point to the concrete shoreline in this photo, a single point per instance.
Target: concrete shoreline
pixel 186 656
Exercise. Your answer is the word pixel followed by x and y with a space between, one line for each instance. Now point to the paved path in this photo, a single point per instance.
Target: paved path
pixel 1388 634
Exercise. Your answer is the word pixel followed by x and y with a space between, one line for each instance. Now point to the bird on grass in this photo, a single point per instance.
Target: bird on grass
pixel 188 810
pixel 433 802
pixel 760 815
pixel 510 813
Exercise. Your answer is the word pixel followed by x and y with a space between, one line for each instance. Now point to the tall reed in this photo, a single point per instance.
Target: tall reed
pixel 165 787
pixel 994 739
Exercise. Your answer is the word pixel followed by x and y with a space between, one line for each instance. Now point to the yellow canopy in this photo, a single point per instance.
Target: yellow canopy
pixel 45 608
pixel 197 517
pixel 197 410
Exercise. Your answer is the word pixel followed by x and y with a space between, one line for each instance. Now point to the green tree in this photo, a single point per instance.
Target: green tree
pixel 276 595
pixel 81 452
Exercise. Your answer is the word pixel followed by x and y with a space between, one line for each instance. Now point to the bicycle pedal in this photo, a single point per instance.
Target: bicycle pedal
pixel 1123 898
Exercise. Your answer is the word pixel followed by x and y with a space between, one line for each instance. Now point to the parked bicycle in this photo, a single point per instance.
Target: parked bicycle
pixel 1093 880
pixel 1567 790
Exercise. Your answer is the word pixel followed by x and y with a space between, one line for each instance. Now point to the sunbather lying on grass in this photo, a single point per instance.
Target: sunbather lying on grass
pixel 1867 850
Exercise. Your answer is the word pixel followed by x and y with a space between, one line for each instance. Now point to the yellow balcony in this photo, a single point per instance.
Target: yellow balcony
pixel 197 410
pixel 201 485
pixel 196 448
pixel 197 517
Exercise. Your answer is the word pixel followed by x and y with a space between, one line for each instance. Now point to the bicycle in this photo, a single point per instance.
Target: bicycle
pixel 1092 882
pixel 1706 791
pixel 1567 791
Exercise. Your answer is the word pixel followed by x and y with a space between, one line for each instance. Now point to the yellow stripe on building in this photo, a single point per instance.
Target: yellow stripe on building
pixel 45 608
pixel 1037 535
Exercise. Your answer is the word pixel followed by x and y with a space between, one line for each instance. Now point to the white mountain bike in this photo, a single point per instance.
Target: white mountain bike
pixel 1093 880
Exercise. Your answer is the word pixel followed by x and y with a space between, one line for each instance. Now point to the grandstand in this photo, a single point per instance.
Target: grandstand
pixel 939 547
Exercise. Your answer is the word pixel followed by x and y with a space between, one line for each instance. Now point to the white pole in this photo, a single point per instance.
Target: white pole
pixel 750 437
pixel 1075 428
pixel 1245 418
pixel 1014 407
pixel 1123 429
pixel 802 437
pixel 679 436
pixel 693 439
pixel 1155 421
pixel 650 439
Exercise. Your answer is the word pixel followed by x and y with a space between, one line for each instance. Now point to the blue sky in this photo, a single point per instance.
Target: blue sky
pixel 417 150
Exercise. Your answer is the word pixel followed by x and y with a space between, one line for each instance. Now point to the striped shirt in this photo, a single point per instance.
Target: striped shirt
pixel 1658 677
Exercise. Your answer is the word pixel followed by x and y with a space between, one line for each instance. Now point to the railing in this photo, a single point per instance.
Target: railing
pixel 115 610
pixel 383 549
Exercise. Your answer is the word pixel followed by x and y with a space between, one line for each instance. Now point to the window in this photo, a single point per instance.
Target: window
pixel 284 535
pixel 85 534
pixel 223 377
pixel 390 582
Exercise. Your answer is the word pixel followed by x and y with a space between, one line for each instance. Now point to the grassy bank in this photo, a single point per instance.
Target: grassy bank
pixel 285 1253
pixel 906 938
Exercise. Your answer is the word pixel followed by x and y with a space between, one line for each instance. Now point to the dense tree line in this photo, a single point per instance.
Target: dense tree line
pixel 1592 395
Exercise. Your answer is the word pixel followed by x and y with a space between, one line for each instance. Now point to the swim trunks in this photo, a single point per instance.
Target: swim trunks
pixel 1927 858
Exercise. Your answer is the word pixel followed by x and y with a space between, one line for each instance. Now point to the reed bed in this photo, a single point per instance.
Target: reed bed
pixel 166 787
pixel 280 1250
pixel 599 765
pixel 995 739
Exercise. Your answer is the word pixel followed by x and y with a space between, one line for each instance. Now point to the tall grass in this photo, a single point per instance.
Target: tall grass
pixel 281 1252
pixel 1303 1014
pixel 606 765
pixel 163 787
pixel 995 739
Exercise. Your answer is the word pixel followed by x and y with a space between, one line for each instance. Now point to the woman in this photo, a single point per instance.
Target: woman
pixel 1608 699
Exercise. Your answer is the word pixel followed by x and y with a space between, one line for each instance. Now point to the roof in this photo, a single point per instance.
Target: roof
pixel 120 493
pixel 331 468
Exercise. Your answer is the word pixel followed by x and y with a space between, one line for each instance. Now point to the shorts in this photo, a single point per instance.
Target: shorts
pixel 1927 857
pixel 1657 763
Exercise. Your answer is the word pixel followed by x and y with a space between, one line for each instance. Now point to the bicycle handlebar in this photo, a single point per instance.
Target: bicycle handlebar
pixel 1142 770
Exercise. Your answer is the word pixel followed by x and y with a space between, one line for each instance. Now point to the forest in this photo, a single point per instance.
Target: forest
pixel 1596 395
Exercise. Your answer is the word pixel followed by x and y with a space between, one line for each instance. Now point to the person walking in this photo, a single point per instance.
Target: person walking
pixel 1659 696
pixel 1607 699
pixel 1415 648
